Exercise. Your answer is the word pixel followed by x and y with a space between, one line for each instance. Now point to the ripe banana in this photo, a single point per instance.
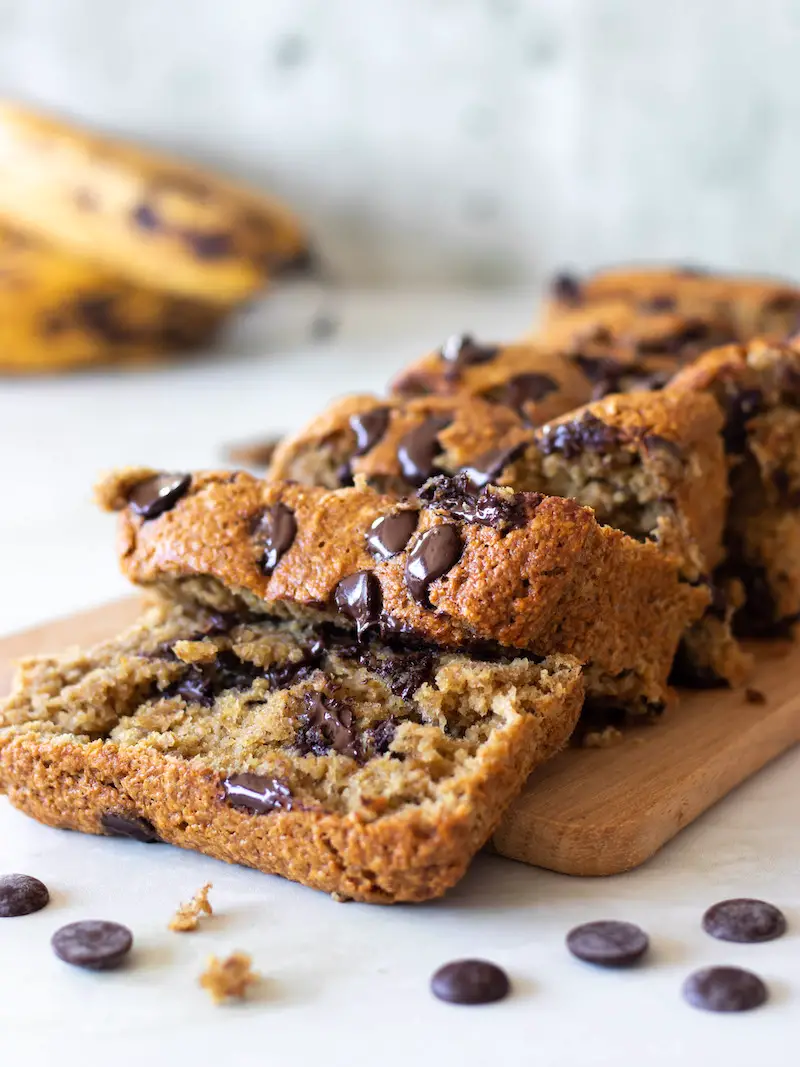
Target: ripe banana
pixel 152 220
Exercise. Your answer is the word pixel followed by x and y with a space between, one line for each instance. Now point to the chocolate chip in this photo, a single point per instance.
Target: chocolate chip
pixel 566 289
pixel 257 793
pixel 208 245
pixel 21 894
pixel 658 302
pixel 488 467
pixel 470 982
pixel 390 534
pixel 586 434
pixel 675 342
pixel 132 826
pixel 525 389
pixel 744 920
pixel 275 528
pixel 724 989
pixel 689 674
pixel 403 672
pixel 608 943
pixel 742 407
pixel 158 494
pixel 359 597
pixel 654 442
pixel 419 447
pixel 95 944
pixel 99 315
pixel 464 351
pixel 195 686
pixel 458 497
pixel 288 674
pixel 378 739
pixel 754 696
pixel 369 427
pixel 433 554
pixel 327 724
pixel 145 217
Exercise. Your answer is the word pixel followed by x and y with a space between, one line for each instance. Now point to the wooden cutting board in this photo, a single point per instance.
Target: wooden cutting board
pixel 588 811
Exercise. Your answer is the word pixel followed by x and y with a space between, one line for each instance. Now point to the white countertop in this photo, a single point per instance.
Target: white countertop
pixel 345 984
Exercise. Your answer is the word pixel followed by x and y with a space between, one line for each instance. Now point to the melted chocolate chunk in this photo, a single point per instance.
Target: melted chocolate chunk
pixel 378 739
pixel 258 793
pixel 158 494
pixel 488 467
pixel 369 428
pixel 741 408
pixel 674 343
pixel 289 674
pixel 433 554
pixel 470 982
pixel 389 534
pixel 344 475
pixel 525 389
pixel 98 315
pixel 566 289
pixel 459 498
pixel 202 682
pixel 587 434
pixel 419 447
pixel 275 528
pixel 654 442
pixel 687 674
pixel 464 351
pixel 132 826
pixel 403 672
pixel 326 724
pixel 360 598
pixel 195 687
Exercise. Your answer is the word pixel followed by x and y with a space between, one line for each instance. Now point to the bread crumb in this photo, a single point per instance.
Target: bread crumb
pixel 755 696
pixel 228 978
pixel 339 898
pixel 188 915
pixel 606 738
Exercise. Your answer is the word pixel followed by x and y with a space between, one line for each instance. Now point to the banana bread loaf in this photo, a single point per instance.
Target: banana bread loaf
pixel 360 769
pixel 522 570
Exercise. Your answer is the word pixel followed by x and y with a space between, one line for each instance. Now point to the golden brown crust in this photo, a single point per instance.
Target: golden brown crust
pixel 750 305
pixel 559 582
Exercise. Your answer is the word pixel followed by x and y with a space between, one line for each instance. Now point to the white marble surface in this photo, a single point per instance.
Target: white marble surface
pixel 456 141
pixel 344 984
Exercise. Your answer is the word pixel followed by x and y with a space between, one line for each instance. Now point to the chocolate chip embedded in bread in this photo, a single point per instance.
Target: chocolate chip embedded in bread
pixel 275 529
pixel 656 303
pixel 369 427
pixel 457 497
pixel 742 407
pixel 525 389
pixel 433 554
pixel 464 351
pixel 724 989
pixel 379 738
pixel 359 597
pixel 132 826
pixel 488 467
pixel 654 442
pixel 257 793
pixel 327 724
pixel 587 434
pixel 157 494
pixel 390 534
pixel 470 982
pixel 419 447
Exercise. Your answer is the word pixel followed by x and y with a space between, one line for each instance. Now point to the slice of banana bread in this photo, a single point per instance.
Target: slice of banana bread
pixel 750 306
pixel 757 388
pixel 651 465
pixel 370 771
pixel 523 570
